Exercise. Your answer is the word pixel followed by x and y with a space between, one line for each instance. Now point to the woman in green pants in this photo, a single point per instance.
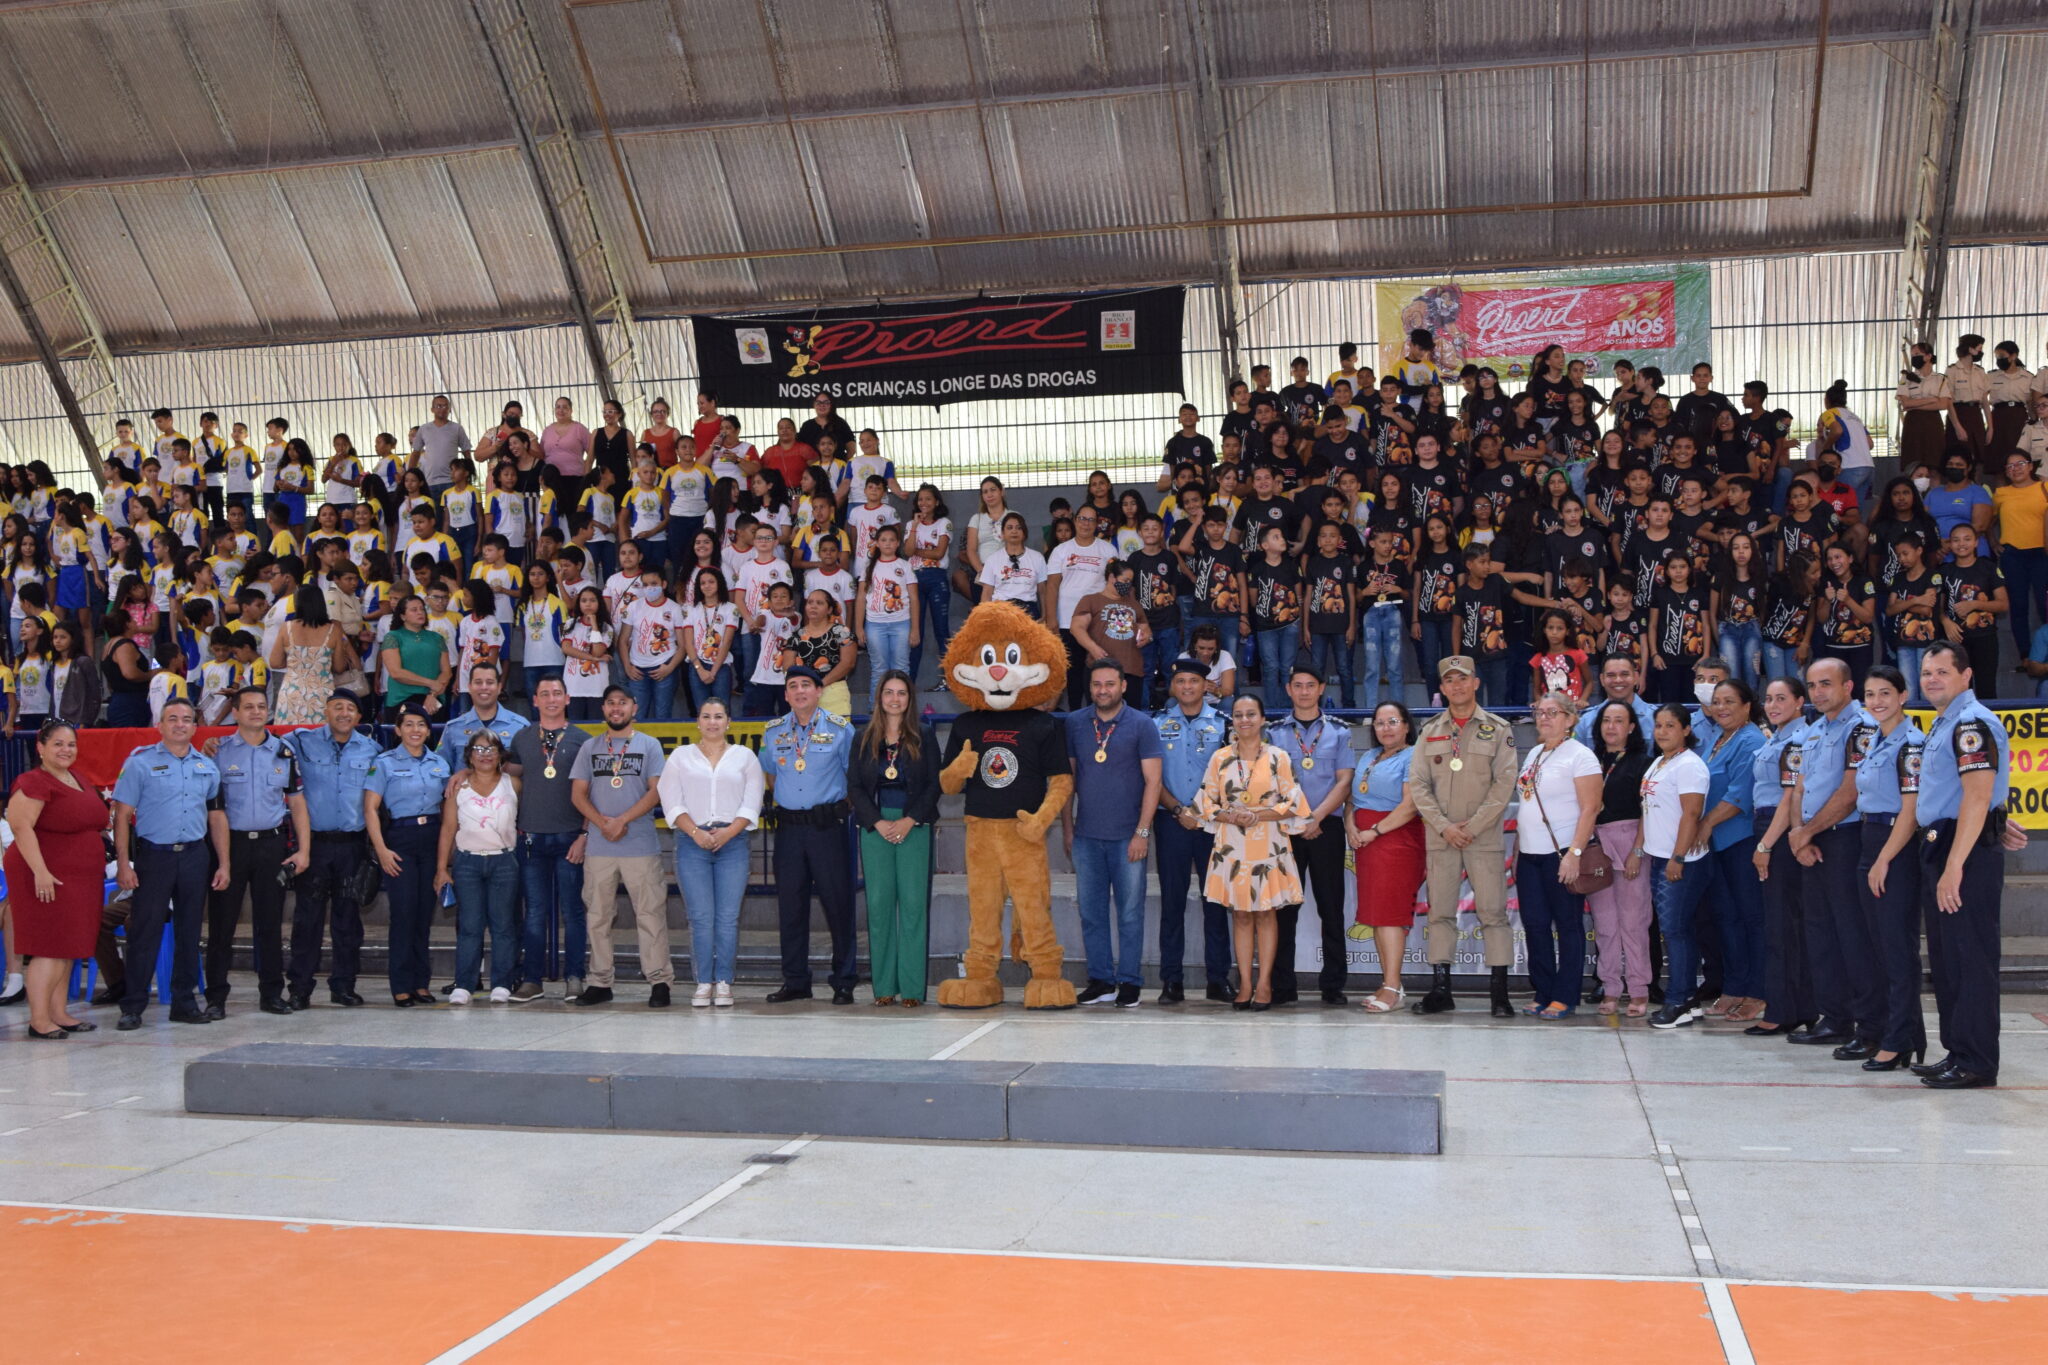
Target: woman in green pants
pixel 892 781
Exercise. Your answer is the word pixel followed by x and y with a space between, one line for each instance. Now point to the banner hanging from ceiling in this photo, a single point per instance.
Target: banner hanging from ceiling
pixel 955 351
pixel 1654 315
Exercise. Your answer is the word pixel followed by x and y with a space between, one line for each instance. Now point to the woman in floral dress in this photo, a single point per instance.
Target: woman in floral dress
pixel 1251 803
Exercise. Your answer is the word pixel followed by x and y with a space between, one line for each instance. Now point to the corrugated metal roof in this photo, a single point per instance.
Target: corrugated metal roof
pixel 300 169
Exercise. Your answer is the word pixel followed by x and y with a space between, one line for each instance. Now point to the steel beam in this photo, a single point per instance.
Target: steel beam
pixel 1212 133
pixel 1924 271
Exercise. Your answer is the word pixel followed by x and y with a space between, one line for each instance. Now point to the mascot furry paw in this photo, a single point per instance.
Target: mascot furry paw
pixel 1010 757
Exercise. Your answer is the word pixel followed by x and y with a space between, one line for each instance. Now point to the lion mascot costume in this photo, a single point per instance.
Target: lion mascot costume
pixel 1010 757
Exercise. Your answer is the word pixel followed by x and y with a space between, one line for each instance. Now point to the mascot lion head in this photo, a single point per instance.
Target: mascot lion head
pixel 1002 660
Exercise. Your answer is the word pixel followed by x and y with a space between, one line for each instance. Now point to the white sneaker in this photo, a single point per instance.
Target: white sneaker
pixel 701 999
pixel 458 996
pixel 572 987
pixel 500 996
pixel 723 999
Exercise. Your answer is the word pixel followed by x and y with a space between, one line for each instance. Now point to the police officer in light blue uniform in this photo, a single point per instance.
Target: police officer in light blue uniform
pixel 804 754
pixel 1965 774
pixel 486 682
pixel 402 819
pixel 1191 729
pixel 1887 780
pixel 334 762
pixel 171 793
pixel 1847 991
pixel 1319 747
pixel 1774 771
pixel 259 791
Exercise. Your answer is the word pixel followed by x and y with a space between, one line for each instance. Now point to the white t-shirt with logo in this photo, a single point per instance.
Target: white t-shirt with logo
pixel 890 587
pixel 1551 774
pixel 1668 779
pixel 1080 569
pixel 926 537
pixel 656 631
pixel 586 677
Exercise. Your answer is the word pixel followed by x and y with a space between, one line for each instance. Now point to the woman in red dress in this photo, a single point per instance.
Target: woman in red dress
pixel 56 876
pixel 1387 851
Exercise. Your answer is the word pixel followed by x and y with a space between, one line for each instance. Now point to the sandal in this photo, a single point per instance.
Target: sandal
pixel 1377 1003
pixel 1557 1009
pixel 1746 1010
pixel 1638 1006
pixel 1610 1005
pixel 1721 1006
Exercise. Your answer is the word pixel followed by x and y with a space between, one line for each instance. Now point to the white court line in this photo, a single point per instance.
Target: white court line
pixel 286 1218
pixel 12 1131
pixel 1967 1151
pixel 603 1265
pixel 1728 1323
pixel 951 1048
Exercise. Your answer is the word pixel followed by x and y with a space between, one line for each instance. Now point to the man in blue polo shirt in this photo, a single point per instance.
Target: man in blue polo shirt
pixel 1117 762
pixel 1191 730
pixel 1618 682
pixel 171 793
pixel 334 763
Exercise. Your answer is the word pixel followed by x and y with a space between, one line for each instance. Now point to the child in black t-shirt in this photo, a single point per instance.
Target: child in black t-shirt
pixel 1975 596
pixel 1158 590
pixel 1392 511
pixel 1913 595
pixel 1807 526
pixel 1433 619
pixel 1680 633
pixel 1329 625
pixel 1383 584
pixel 1628 626
pixel 1272 614
pixel 1482 610
pixel 1738 591
pixel 1578 598
pixel 1215 571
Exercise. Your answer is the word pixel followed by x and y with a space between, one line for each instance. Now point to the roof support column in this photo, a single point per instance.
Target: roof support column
pixel 1924 270
pixel 1212 138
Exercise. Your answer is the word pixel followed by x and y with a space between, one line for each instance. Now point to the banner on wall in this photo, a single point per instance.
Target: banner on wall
pixel 954 351
pixel 1649 315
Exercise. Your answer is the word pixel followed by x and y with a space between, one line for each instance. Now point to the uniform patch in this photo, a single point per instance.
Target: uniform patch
pixel 999 767
pixel 1975 751
pixel 1909 770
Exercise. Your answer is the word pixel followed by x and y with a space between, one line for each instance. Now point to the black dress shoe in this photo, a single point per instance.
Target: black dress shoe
pixel 1955 1078
pixel 404 1002
pixel 594 995
pixel 1261 1006
pixel 1809 1038
pixel 1933 1068
pixel 1855 1050
pixel 1503 1008
pixel 842 995
pixel 86 1027
pixel 189 1016
pixel 1242 1006
pixel 1172 993
pixel 129 1023
pixel 1435 1000
pixel 302 1000
pixel 1896 1061
pixel 17 997
pixel 55 1035
pixel 348 998
pixel 1760 1031
pixel 216 1011
pixel 1336 998
pixel 789 993
pixel 109 995
pixel 658 998
pixel 275 1004
pixel 1217 990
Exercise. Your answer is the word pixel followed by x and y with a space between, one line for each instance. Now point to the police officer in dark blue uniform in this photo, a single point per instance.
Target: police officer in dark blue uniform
pixel 259 792
pixel 1965 772
pixel 1319 747
pixel 171 793
pixel 804 754
pixel 1888 875
pixel 1191 729
pixel 334 763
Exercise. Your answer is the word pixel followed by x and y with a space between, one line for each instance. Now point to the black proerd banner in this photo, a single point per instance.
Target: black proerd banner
pixel 956 351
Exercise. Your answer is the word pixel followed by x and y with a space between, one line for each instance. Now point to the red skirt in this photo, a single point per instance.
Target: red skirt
pixel 1390 871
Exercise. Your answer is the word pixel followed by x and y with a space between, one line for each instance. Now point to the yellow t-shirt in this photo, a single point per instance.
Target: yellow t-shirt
pixel 2022 509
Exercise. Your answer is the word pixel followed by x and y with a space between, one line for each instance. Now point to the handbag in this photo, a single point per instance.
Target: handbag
pixel 1596 869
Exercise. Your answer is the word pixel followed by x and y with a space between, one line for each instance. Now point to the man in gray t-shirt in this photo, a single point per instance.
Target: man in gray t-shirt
pixel 435 444
pixel 611 782
pixel 551 842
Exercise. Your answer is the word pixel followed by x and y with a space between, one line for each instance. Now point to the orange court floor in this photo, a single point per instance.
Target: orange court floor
pixel 1603 1191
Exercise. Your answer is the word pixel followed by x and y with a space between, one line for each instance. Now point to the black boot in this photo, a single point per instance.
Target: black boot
pixel 1438 998
pixel 1502 1007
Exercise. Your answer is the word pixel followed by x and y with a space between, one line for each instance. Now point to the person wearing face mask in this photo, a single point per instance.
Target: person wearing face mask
pixel 2032 440
pixel 1958 500
pixel 2009 389
pixel 1968 387
pixel 1923 396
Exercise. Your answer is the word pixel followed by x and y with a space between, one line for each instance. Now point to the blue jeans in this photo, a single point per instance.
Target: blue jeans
pixel 1780 661
pixel 888 647
pixel 1864 481
pixel 1277 648
pixel 1493 682
pixel 1439 640
pixel 746 653
pixel 1677 903
pixel 1743 647
pixel 1384 633
pixel 1332 658
pixel 1907 659
pixel 465 541
pixel 1739 912
pixel 1159 657
pixel 1103 870
pixel 534 675
pixel 486 891
pixel 1554 921
pixel 1226 627
pixel 553 887
pixel 713 885
pixel 656 697
pixel 2026 582
pixel 720 686
pixel 935 604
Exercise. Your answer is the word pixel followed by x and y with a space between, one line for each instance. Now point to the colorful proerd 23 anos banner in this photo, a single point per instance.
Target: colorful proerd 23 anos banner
pixel 1651 315
pixel 953 351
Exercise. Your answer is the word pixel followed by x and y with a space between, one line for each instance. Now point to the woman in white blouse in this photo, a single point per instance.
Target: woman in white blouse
pixel 1560 801
pixel 479 829
pixel 1674 798
pixel 711 796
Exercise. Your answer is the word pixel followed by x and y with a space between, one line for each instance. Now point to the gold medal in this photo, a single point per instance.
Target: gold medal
pixel 548 771
pixel 1457 765
pixel 1102 755
pixel 799 765
pixel 620 781
pixel 1307 763
pixel 890 772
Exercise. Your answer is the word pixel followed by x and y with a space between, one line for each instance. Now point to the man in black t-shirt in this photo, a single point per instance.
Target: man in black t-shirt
pixel 1696 410
pixel 1301 402
pixel 1337 447
pixel 1158 589
pixel 1266 507
pixel 1187 446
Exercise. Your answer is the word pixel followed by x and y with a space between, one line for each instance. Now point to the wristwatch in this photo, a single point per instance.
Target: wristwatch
pixel 1575 852
pixel 1145 832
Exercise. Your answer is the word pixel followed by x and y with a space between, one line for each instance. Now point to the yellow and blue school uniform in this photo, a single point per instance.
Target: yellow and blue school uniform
pixel 189 526
pixel 360 543
pixel 71 552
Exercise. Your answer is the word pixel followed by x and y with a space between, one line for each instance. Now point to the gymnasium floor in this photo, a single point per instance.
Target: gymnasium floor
pixel 1672 1198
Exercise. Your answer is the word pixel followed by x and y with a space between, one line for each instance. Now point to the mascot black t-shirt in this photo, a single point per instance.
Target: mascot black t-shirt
pixel 1015 753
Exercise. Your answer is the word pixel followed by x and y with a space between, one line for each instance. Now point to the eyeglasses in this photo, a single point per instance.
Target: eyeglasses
pixel 483 748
